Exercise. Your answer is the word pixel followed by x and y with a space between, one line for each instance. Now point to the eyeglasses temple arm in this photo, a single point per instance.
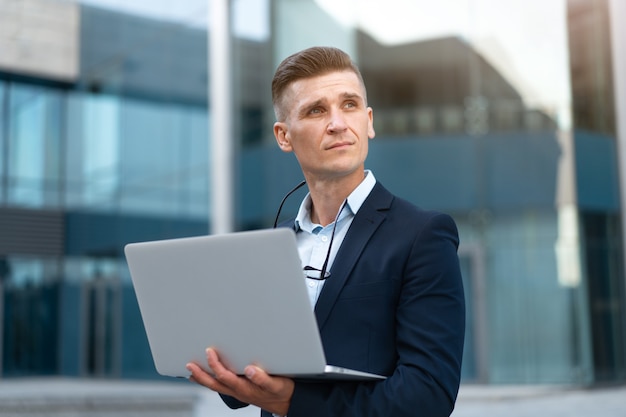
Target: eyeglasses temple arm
pixel 294 189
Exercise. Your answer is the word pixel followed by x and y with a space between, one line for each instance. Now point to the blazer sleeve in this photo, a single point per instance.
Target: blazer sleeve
pixel 430 326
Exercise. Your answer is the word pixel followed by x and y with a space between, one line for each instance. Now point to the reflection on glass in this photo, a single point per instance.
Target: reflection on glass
pixel 34 164
pixel 137 156
pixel 475 107
pixel 473 103
pixel 30 291
pixel 470 48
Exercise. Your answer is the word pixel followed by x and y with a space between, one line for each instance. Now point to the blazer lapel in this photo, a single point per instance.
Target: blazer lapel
pixel 369 217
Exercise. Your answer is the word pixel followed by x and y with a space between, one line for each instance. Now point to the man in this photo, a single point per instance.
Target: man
pixel 393 302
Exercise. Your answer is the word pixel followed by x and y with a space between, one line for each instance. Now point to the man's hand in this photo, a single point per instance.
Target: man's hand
pixel 270 393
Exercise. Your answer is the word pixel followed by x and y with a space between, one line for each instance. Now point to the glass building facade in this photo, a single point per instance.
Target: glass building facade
pixel 501 114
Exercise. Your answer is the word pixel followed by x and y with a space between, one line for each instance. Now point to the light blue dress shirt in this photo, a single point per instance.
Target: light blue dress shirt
pixel 313 239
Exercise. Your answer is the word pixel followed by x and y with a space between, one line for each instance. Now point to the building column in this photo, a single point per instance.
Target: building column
pixel 221 172
pixel 617 10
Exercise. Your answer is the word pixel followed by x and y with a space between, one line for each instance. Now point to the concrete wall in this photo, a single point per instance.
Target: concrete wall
pixel 39 38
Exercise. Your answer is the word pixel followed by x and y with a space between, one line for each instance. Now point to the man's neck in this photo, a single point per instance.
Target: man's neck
pixel 327 196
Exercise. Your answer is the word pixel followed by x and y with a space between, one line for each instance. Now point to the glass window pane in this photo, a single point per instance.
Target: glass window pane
pixel 30 298
pixel 138 156
pixel 34 146
pixel 481 131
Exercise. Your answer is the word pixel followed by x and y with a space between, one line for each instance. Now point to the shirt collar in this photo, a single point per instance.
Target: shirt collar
pixel 355 200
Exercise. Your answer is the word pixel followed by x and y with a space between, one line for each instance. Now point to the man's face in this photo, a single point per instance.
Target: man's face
pixel 327 125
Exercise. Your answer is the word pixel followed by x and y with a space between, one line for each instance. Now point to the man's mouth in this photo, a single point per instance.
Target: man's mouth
pixel 339 145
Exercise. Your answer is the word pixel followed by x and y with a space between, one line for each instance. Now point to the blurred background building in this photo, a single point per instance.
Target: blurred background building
pixel 502 113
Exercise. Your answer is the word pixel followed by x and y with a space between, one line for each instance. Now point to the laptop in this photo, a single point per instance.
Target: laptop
pixel 242 293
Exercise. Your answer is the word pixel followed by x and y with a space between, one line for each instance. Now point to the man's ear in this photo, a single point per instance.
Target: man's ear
pixel 370 124
pixel 282 138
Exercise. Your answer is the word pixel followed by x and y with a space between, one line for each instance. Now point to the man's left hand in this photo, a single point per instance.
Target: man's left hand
pixel 257 387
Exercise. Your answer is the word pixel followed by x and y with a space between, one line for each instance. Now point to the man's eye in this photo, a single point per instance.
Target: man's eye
pixel 350 104
pixel 315 111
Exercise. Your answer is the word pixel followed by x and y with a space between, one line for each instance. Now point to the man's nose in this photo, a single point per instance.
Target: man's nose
pixel 337 122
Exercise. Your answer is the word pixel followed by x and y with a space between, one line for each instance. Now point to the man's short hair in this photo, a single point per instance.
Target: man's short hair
pixel 310 62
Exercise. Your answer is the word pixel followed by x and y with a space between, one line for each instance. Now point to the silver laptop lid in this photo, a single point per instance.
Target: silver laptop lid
pixel 241 293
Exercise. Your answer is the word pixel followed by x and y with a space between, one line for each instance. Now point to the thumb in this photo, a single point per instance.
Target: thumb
pixel 257 376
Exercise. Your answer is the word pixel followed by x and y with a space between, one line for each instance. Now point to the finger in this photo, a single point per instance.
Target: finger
pixel 229 382
pixel 259 377
pixel 220 372
pixel 275 391
pixel 275 385
pixel 198 374
pixel 201 377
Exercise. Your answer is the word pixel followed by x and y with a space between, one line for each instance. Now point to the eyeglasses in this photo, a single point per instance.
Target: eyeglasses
pixel 310 271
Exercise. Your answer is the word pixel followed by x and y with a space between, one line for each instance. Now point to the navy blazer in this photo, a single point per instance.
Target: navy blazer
pixel 394 305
